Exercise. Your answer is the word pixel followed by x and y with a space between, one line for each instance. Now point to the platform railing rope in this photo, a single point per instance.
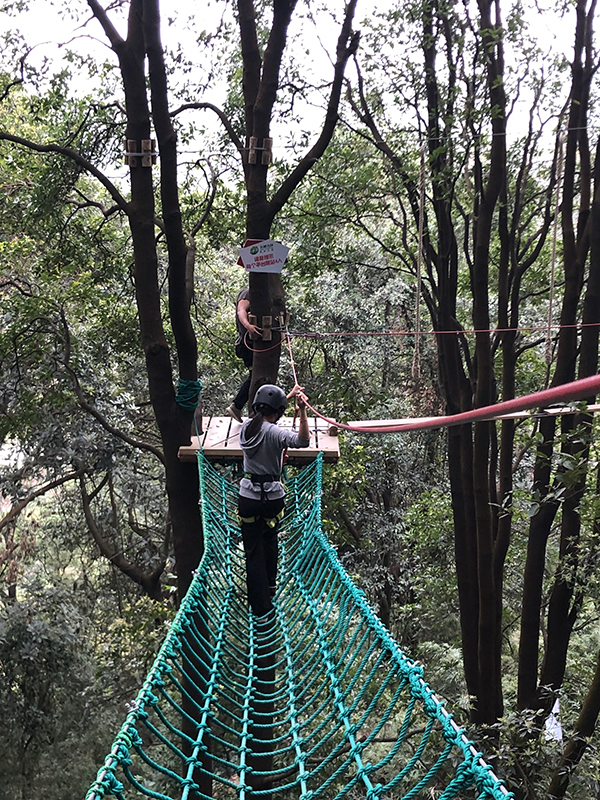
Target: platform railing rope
pixel 351 715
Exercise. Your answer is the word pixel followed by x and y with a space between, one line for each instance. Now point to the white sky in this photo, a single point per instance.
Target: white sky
pixel 44 26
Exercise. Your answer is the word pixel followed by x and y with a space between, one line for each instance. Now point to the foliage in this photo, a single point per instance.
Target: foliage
pixel 44 671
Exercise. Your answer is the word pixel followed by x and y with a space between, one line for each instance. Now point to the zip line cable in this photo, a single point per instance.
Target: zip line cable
pixel 465 331
pixel 419 332
pixel 581 389
pixel 568 392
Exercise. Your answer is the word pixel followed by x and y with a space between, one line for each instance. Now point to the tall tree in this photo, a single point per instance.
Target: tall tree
pixel 260 83
pixel 143 73
pixel 562 490
pixel 477 203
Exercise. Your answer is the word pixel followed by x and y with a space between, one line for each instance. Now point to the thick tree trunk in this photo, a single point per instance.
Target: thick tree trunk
pixel 465 549
pixel 539 531
pixel 143 39
pixel 565 599
pixel 564 606
pixel 260 83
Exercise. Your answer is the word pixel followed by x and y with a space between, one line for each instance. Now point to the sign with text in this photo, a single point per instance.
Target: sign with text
pixel 265 256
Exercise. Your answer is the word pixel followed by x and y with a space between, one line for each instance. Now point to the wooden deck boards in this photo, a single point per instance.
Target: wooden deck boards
pixel 220 441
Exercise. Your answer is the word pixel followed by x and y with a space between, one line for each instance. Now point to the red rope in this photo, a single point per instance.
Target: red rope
pixel 262 349
pixel 315 335
pixel 576 390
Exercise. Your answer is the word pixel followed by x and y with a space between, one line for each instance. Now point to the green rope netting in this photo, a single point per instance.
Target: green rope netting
pixel 319 702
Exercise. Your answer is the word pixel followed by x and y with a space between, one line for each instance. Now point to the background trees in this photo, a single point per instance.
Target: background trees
pixel 144 86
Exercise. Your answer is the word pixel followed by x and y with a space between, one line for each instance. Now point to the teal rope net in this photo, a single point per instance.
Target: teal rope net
pixel 319 702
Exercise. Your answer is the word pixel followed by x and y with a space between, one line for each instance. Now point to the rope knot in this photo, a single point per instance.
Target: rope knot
pixel 364 770
pixel 191 783
pixel 356 749
pixel 115 785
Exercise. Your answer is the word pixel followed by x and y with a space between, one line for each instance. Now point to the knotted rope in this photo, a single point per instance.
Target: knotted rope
pixel 344 712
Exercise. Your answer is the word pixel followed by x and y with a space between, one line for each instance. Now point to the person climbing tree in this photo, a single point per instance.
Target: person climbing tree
pixel 244 327
pixel 261 497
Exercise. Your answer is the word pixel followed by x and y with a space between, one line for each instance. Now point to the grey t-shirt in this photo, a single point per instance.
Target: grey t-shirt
pixel 263 455
pixel 241 331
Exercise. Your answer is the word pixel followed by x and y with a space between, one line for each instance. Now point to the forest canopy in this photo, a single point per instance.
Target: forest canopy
pixel 433 171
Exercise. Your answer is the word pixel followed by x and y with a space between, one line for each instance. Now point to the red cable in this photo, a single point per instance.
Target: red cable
pixel 262 349
pixel 576 390
pixel 315 335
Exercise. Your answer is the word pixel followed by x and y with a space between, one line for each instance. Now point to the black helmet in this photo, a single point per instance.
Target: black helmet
pixel 272 396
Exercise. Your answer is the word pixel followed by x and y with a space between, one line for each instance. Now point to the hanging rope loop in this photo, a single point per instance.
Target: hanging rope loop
pixel 416 365
pixel 559 175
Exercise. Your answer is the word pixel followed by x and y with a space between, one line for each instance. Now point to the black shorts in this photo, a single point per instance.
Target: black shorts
pixel 267 509
pixel 243 352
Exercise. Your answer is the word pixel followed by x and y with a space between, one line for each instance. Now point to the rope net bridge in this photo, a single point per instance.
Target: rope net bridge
pixel 317 703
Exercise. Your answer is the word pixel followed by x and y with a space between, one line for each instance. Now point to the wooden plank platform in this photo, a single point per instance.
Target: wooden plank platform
pixel 220 441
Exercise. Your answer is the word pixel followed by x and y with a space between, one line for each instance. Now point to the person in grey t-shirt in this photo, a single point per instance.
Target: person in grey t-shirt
pixel 243 351
pixel 261 497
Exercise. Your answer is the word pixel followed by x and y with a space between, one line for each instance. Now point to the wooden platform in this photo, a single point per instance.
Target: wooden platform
pixel 220 441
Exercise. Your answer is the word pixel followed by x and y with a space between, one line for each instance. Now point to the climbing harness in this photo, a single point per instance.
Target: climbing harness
pixel 315 701
pixel 261 480
pixel 270 521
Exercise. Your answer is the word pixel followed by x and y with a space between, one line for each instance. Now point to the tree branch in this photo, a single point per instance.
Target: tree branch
pixel 221 115
pixel 179 299
pixel 74 156
pixel 90 409
pixel 251 58
pixel 148 581
pixel 346 47
pixel 269 81
pixel 113 36
pixel 17 507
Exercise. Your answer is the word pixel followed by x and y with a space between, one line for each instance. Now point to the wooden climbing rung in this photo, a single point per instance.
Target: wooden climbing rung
pixel 220 441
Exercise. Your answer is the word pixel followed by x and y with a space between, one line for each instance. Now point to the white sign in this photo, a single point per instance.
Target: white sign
pixel 267 256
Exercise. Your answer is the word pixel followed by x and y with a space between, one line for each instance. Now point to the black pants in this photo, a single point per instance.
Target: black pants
pixel 241 397
pixel 247 356
pixel 260 547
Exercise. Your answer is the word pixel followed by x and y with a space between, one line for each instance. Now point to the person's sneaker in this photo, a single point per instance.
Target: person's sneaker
pixel 234 412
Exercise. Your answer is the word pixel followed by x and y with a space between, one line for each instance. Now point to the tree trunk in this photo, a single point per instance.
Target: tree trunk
pixel 260 83
pixel 174 422
pixel 578 742
pixel 563 607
